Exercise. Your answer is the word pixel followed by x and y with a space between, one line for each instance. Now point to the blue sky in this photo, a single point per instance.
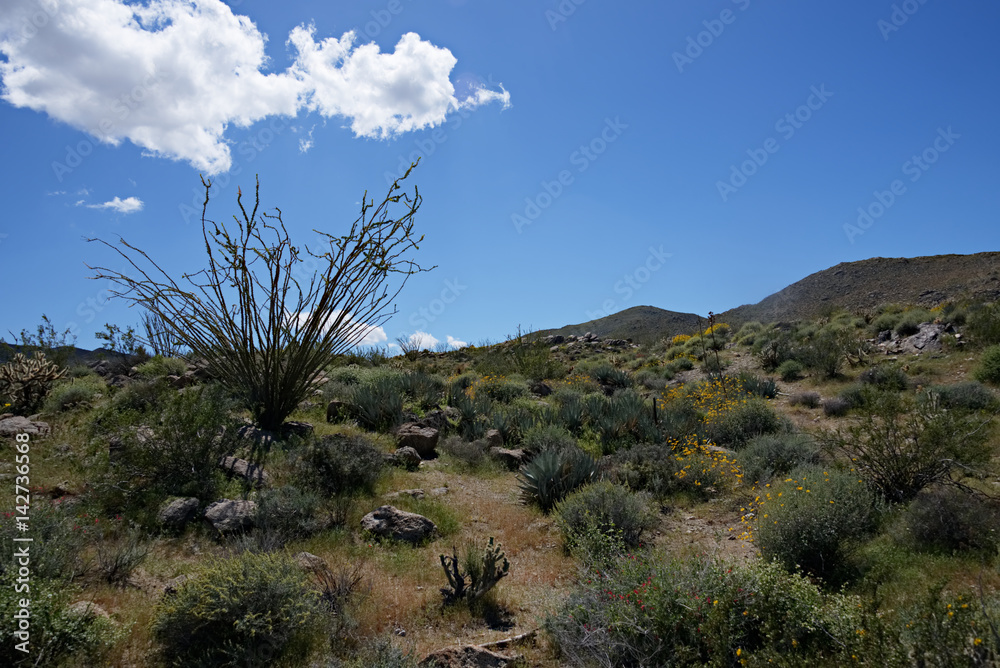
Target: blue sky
pixel 578 157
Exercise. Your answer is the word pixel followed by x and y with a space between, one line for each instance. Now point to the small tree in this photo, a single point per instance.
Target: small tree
pixel 263 334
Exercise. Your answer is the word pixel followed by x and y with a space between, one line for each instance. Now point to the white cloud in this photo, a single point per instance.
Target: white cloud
pixel 370 335
pixel 455 343
pixel 422 341
pixel 127 205
pixel 171 75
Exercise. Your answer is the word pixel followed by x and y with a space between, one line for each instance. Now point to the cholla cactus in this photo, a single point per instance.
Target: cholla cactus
pixel 483 573
pixel 25 382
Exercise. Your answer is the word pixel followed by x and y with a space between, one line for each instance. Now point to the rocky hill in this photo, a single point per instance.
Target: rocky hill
pixel 852 286
pixel 641 324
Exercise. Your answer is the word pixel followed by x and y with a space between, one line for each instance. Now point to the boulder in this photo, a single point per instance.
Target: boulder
pixel 297 428
pixel 390 522
pixel 469 656
pixel 494 439
pixel 511 459
pixel 178 512
pixel 231 515
pixel 241 468
pixel 422 439
pixel 406 457
pixel 12 426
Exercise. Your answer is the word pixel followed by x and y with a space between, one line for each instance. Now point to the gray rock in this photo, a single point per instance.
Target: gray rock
pixel 925 340
pixel 241 468
pixel 512 459
pixel 541 389
pixel 407 457
pixel 297 428
pixel 422 439
pixel 259 437
pixel 175 514
pixel 231 515
pixel 390 522
pixel 494 439
pixel 413 493
pixel 12 426
pixel 452 413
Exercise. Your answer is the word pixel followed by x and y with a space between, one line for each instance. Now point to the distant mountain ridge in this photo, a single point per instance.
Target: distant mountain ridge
pixel 851 286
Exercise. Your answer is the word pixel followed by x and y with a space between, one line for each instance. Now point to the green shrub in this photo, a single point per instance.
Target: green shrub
pixel 807 399
pixel 473 456
pixel 901 448
pixel 950 519
pixel 553 474
pixel 57 636
pixel 984 325
pixel 75 393
pixel 909 323
pixel 757 386
pixel 836 406
pixel 657 469
pixel 790 370
pixel 657 611
pixel 174 450
pixel 547 437
pixel 53 526
pixel 810 519
pixel 988 370
pixel 253 609
pixel 606 508
pixel 285 514
pixel 738 425
pixel 771 455
pixel 970 396
pixel 162 366
pixel 827 349
pixel 885 376
pixel 339 465
pixel 679 364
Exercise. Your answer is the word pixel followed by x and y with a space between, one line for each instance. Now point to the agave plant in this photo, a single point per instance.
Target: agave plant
pixel 553 474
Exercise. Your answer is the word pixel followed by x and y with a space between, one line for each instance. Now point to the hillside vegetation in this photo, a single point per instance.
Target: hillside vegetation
pixel 816 493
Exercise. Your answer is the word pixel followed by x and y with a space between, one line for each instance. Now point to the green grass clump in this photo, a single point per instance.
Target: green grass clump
pixel 80 392
pixel 162 366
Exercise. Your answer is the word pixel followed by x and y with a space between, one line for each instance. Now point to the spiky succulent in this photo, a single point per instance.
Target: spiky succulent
pixel 553 474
